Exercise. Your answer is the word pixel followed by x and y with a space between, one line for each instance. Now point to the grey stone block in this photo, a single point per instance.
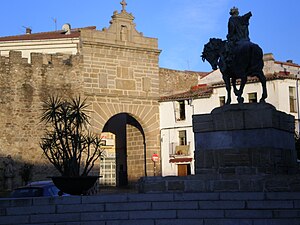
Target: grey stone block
pixel 55 218
pixel 64 200
pixel 150 197
pixel 2 211
pixel 200 214
pixel 196 196
pixel 131 222
pixel 93 223
pixel 175 186
pixel 194 186
pixel 161 214
pixel 154 187
pixel 249 214
pixel 222 204
pixel 104 198
pixel 30 210
pixel 242 196
pixel 63 223
pixel 287 214
pixel 129 206
pixel 225 185
pixel 6 202
pixel 276 222
pixel 267 204
pixel 227 222
pixel 80 208
pixel 5 220
pixel 283 195
pixel 180 222
pixel 104 216
pixel 175 205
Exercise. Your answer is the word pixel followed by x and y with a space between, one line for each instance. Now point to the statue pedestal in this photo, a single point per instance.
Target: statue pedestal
pixel 238 148
pixel 245 139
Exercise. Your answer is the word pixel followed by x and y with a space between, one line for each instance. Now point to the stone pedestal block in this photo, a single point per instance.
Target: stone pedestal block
pixel 245 139
pixel 238 148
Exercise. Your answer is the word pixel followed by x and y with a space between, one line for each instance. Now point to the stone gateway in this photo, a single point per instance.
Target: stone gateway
pixel 116 69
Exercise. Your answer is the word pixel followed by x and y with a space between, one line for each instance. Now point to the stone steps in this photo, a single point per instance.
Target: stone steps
pixel 214 208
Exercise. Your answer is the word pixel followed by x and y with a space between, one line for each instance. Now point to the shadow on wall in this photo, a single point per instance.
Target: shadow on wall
pixel 15 173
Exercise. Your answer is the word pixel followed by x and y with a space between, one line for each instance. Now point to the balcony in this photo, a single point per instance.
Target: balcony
pixel 179 150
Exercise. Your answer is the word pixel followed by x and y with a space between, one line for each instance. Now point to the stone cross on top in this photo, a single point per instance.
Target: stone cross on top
pixel 124 4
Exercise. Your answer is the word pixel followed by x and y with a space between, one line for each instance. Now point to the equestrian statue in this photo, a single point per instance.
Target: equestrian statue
pixel 237 57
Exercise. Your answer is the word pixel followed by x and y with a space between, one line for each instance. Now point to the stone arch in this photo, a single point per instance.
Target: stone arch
pixel 142 121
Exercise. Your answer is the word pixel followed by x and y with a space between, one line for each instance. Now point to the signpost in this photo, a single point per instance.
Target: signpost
pixel 155 158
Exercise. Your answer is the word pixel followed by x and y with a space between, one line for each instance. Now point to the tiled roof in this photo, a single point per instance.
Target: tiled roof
pixel 287 63
pixel 46 35
pixel 275 76
pixel 205 91
pixel 199 91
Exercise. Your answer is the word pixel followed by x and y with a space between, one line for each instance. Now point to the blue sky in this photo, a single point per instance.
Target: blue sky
pixel 181 26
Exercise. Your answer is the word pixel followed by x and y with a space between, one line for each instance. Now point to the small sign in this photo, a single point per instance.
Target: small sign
pixel 155 157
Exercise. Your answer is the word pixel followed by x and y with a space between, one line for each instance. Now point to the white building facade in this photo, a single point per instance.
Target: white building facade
pixel 176 111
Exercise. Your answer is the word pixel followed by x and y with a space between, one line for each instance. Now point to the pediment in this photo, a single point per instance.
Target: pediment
pixel 123 15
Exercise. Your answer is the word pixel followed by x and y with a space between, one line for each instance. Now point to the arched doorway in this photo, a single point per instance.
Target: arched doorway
pixel 130 148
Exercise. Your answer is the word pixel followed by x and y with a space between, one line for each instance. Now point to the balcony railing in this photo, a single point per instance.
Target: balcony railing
pixel 179 150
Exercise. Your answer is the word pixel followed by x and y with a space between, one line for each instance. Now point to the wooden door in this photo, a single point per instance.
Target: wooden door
pixel 182 170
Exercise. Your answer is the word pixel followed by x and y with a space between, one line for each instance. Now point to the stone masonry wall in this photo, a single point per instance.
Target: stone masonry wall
pixel 117 71
pixel 175 81
pixel 123 78
pixel 256 208
pixel 135 154
pixel 23 87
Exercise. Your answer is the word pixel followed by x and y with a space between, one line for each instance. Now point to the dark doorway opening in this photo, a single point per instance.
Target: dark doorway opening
pixel 130 148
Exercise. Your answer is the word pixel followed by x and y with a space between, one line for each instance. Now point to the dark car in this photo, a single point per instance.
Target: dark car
pixel 37 189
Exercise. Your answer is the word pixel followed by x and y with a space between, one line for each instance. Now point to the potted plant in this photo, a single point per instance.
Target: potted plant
pixel 68 145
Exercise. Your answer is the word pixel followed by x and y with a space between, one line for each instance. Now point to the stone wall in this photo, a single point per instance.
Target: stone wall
pixel 135 154
pixel 156 209
pixel 123 77
pixel 117 71
pixel 176 81
pixel 23 87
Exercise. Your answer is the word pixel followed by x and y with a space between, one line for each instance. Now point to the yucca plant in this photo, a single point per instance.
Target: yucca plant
pixel 67 143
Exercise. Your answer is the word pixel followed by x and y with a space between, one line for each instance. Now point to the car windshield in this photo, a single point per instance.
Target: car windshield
pixel 27 192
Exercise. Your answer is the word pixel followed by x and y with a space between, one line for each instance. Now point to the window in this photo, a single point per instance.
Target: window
pixel 222 100
pixel 252 97
pixel 180 110
pixel 293 100
pixel 182 137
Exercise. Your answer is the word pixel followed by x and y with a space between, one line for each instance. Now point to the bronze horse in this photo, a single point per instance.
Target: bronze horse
pixel 245 59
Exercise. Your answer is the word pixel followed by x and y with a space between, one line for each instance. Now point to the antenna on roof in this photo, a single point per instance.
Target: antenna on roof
pixel 28 29
pixel 55 22
pixel 188 64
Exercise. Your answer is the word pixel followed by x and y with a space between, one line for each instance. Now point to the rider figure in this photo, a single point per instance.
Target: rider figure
pixel 238 26
pixel 237 31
